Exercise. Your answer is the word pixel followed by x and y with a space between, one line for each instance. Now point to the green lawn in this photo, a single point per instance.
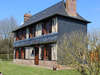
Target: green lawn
pixel 13 69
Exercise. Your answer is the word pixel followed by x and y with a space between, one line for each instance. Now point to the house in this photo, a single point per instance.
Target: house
pixel 35 42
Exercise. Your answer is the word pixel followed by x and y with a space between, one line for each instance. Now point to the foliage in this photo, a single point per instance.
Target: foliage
pixel 74 51
pixel 6 35
pixel 4 56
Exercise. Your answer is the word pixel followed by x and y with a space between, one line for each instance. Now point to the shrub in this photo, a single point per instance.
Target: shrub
pixel 4 56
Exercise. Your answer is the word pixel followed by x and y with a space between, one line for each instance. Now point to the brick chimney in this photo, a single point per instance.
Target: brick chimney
pixel 27 16
pixel 71 7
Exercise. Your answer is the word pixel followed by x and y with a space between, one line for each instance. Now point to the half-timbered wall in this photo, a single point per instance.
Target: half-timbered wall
pixel 27 33
pixel 38 29
pixel 54 51
pixel 45 27
pixel 40 52
pixel 30 53
pixel 54 25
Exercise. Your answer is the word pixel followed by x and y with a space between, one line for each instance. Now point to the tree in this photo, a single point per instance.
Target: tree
pixel 6 27
pixel 74 51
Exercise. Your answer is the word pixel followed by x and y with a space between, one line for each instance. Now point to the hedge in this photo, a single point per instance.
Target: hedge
pixel 4 56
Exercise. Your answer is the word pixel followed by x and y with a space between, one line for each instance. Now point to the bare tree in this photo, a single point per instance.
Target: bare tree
pixel 74 51
pixel 6 27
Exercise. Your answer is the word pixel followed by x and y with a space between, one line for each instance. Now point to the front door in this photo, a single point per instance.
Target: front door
pixel 36 56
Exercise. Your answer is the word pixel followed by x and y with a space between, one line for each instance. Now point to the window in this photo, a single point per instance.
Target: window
pixel 20 53
pixel 47 27
pixel 24 34
pixel 19 35
pixel 47 52
pixel 32 31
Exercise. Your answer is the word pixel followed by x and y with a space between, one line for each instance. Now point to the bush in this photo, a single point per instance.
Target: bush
pixel 4 56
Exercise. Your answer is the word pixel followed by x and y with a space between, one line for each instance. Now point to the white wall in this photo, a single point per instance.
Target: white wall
pixel 27 33
pixel 54 51
pixel 38 29
pixel 40 51
pixel 28 53
pixel 54 25
pixel 31 56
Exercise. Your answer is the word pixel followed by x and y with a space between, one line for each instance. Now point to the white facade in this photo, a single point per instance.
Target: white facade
pixel 54 52
pixel 28 53
pixel 38 29
pixel 54 25
pixel 40 51
pixel 27 33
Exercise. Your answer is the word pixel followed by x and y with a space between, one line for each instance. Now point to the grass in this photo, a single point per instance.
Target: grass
pixel 14 69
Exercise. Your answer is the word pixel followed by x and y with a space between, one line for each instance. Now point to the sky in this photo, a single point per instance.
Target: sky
pixel 88 9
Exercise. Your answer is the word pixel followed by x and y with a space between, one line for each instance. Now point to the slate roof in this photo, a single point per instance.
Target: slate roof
pixel 57 9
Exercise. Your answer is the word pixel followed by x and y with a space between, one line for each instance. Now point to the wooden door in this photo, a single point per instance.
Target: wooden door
pixel 36 56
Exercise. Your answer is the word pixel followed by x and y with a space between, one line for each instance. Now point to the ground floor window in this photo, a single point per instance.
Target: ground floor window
pixel 46 52
pixel 20 53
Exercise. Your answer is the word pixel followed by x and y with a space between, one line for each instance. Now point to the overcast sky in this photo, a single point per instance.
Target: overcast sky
pixel 88 9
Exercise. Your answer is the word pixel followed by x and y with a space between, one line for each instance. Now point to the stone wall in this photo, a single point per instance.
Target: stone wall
pixel 47 63
pixel 23 62
pixel 31 62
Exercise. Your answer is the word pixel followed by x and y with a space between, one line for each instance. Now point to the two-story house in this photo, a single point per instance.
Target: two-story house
pixel 35 42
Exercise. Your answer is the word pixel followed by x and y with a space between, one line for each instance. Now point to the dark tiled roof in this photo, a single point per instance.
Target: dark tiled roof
pixel 57 9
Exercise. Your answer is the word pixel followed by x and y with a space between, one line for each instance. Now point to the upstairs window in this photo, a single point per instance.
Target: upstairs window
pixel 38 29
pixel 47 27
pixel 24 34
pixel 19 35
pixel 32 31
